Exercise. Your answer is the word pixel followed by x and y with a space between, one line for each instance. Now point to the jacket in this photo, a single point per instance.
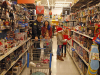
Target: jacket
pixel 36 28
pixel 44 29
pixel 60 40
pixel 66 37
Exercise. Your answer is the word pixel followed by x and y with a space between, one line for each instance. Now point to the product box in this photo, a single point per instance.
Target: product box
pixel 15 70
pixel 21 36
pixel 90 31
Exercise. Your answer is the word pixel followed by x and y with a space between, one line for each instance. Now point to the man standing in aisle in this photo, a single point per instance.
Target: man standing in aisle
pixel 36 32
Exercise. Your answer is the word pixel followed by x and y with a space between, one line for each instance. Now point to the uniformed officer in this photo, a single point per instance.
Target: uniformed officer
pixel 36 27
pixel 36 32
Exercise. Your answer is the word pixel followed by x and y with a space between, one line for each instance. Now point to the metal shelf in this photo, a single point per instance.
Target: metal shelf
pixel 82 34
pixel 22 68
pixel 82 58
pixel 4 72
pixel 83 4
pixel 81 45
pixel 12 50
pixel 76 64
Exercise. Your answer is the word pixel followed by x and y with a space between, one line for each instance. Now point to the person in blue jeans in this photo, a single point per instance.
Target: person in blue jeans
pixel 60 42
pixel 65 36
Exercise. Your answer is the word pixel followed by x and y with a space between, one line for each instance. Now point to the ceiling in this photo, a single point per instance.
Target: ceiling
pixel 44 3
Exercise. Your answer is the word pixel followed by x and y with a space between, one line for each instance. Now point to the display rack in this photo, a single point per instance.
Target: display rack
pixel 84 10
pixel 82 34
pixel 13 37
pixel 75 63
pixel 13 63
pixel 13 49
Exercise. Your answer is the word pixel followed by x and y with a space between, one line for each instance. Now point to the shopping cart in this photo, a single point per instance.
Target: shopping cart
pixel 40 57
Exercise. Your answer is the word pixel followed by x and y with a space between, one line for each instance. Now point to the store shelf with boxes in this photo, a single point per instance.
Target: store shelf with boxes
pixel 87 16
pixel 14 40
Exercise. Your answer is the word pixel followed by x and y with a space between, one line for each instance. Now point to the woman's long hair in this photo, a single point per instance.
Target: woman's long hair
pixel 48 27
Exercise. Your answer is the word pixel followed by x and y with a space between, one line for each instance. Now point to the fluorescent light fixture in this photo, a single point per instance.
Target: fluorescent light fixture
pixel 63 2
pixel 48 4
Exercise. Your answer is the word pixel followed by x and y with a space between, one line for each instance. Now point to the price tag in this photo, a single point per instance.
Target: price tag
pixel 3 56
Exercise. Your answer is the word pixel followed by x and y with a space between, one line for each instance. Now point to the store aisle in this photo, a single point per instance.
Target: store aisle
pixel 65 67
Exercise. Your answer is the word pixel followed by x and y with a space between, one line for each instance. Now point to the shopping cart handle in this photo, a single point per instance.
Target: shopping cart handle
pixel 40 48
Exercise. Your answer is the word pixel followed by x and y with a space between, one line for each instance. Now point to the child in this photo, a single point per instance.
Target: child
pixel 46 44
pixel 65 36
pixel 60 42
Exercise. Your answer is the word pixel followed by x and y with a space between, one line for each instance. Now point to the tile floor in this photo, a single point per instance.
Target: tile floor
pixel 66 67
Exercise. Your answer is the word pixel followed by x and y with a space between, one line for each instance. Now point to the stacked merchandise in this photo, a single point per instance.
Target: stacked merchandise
pixel 13 18
pixel 12 37
pixel 18 67
pixel 86 27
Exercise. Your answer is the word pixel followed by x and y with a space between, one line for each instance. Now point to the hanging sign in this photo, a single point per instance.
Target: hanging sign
pixel 25 1
pixel 39 9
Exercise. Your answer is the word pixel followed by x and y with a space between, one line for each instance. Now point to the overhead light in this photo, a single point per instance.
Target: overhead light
pixel 63 2
pixel 48 4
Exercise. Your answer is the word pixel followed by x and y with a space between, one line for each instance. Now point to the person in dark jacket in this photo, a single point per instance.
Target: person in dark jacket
pixel 36 32
pixel 36 27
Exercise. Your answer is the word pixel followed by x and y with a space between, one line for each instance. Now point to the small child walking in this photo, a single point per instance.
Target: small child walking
pixel 65 36
pixel 60 42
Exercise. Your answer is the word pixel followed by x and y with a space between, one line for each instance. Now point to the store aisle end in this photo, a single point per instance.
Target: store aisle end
pixel 66 67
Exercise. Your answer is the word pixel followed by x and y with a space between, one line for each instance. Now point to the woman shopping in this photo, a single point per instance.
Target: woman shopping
pixel 60 42
pixel 46 28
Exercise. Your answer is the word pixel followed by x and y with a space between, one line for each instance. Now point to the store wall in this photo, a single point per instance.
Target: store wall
pixel 55 11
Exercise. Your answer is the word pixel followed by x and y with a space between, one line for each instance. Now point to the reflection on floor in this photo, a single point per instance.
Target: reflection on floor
pixel 65 67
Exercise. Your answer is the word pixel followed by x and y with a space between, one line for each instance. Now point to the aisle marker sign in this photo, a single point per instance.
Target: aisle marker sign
pixel 39 9
pixel 25 1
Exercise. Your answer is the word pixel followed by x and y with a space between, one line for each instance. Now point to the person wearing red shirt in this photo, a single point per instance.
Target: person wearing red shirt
pixel 46 28
pixel 65 36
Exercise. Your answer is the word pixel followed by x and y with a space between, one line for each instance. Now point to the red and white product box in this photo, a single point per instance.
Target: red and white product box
pixel 21 36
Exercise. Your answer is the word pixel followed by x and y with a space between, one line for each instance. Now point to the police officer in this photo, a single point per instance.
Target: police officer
pixel 36 32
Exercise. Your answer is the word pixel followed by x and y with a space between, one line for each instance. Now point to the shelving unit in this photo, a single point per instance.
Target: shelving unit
pixel 82 34
pixel 82 58
pixel 81 45
pixel 13 49
pixel 75 64
pixel 22 69
pixel 86 14
pixel 4 72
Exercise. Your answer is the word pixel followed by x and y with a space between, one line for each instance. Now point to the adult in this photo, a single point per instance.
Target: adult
pixel 46 28
pixel 36 32
pixel 36 27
